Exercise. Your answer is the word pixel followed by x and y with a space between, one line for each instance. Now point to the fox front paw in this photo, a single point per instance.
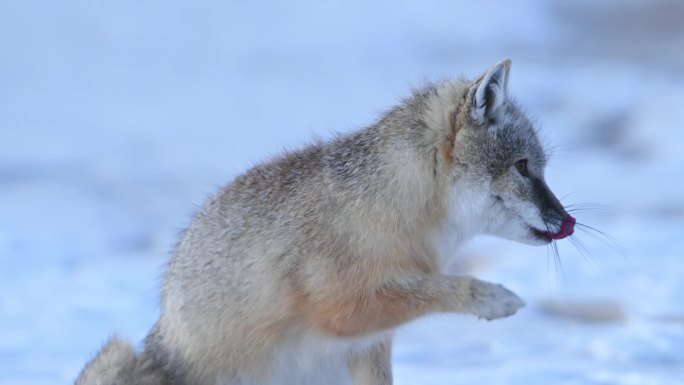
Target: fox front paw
pixel 491 300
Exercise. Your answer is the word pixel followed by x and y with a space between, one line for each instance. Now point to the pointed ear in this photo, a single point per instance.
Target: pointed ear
pixel 489 93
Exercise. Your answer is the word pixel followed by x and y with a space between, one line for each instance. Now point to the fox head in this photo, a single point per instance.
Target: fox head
pixel 496 164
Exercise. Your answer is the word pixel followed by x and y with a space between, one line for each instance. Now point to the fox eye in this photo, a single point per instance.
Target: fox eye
pixel 521 165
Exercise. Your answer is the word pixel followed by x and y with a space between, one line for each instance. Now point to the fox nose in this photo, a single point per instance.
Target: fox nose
pixel 553 210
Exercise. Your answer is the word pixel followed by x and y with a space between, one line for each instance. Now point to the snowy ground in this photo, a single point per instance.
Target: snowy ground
pixel 118 118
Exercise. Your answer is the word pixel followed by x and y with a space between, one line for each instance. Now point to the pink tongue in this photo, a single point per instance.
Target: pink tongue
pixel 567 228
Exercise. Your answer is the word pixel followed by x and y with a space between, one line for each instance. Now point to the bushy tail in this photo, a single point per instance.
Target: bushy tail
pixel 119 364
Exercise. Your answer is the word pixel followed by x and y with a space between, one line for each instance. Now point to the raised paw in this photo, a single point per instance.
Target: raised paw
pixel 491 300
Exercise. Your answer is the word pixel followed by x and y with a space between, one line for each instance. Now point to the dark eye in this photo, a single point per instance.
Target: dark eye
pixel 521 165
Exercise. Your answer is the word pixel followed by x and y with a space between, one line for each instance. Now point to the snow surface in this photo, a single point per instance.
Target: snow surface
pixel 118 118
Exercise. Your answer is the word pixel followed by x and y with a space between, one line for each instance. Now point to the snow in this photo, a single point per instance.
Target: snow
pixel 118 118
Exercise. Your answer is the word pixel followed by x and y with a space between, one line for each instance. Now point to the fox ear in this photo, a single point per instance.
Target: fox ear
pixel 489 93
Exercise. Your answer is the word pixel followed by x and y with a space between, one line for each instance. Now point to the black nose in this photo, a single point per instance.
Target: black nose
pixel 547 202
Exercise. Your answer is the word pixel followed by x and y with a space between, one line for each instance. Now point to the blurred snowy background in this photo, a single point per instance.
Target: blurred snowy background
pixel 118 118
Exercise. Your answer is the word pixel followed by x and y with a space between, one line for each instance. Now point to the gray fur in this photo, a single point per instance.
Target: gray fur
pixel 117 364
pixel 298 270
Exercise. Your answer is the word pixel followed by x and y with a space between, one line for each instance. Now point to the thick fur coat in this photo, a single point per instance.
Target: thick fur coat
pixel 298 270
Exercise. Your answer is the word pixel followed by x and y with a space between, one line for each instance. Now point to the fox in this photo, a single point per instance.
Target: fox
pixel 300 269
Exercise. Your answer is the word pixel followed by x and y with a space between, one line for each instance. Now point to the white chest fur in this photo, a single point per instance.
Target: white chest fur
pixel 309 358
